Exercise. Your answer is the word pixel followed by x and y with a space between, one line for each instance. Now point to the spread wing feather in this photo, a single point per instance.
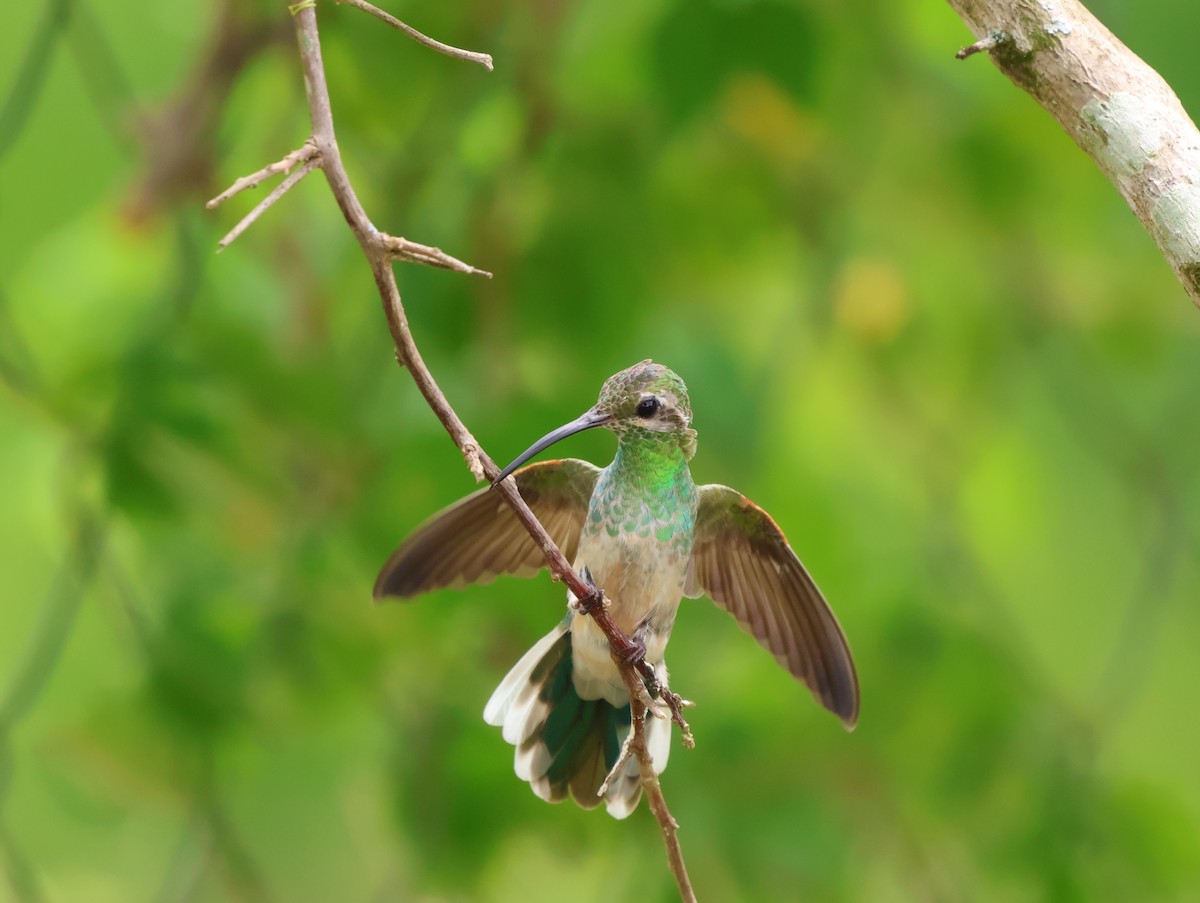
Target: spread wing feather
pixel 478 538
pixel 742 561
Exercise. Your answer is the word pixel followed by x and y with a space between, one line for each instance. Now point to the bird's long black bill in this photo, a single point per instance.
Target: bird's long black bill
pixel 579 424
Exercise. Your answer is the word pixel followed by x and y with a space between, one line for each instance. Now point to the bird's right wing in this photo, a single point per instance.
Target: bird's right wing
pixel 742 561
pixel 478 538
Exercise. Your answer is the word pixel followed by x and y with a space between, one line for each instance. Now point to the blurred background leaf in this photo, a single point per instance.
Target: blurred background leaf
pixel 917 326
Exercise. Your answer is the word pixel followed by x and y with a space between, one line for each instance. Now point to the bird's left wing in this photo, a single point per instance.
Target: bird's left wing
pixel 478 538
pixel 742 560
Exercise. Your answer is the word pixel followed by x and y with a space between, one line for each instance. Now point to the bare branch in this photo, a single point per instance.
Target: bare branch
pixel 403 249
pixel 654 795
pixel 302 154
pixel 380 250
pixel 1114 106
pixel 483 59
pixel 280 190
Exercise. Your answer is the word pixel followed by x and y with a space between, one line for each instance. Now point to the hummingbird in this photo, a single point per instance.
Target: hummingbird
pixel 648 536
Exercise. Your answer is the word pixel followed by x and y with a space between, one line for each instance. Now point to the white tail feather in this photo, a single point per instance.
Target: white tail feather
pixel 517 679
pixel 517 708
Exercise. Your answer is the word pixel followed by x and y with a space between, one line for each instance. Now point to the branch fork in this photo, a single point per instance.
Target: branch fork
pixel 308 159
pixel 307 151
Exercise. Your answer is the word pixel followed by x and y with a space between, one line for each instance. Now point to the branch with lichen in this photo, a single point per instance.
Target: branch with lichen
pixel 1114 106
pixel 321 151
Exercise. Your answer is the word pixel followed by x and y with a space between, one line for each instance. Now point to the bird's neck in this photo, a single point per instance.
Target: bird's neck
pixel 650 459
pixel 647 492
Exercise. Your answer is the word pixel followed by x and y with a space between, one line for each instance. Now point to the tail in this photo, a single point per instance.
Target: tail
pixel 567 745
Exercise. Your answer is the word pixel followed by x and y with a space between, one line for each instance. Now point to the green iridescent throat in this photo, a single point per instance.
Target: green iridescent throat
pixel 647 490
pixel 649 458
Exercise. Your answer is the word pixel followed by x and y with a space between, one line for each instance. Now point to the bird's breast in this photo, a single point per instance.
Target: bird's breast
pixel 636 546
pixel 642 577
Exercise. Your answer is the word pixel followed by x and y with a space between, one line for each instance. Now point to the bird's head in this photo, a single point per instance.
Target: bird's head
pixel 646 398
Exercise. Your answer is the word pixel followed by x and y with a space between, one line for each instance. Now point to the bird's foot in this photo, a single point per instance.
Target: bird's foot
pixel 593 600
pixel 635 653
pixel 669 707
pixel 662 703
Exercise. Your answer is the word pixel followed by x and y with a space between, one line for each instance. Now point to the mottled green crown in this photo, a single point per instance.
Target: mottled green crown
pixel 623 392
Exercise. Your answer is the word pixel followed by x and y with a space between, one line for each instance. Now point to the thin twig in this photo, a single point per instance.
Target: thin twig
pixel 654 795
pixel 622 757
pixel 302 154
pixel 483 59
pixel 411 251
pixel 280 190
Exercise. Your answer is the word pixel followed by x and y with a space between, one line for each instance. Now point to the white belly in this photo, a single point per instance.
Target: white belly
pixel 642 579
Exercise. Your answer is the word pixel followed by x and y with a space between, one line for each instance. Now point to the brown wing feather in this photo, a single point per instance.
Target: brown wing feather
pixel 478 538
pixel 742 560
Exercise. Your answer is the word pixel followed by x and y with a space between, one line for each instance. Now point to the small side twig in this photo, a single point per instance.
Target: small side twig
pixel 280 190
pixel 987 42
pixel 403 249
pixel 471 56
pixel 302 154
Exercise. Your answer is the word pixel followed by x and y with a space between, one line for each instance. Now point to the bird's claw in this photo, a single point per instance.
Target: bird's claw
pixel 593 600
pixel 634 653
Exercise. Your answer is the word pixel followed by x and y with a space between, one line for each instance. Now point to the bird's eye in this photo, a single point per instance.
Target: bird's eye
pixel 648 407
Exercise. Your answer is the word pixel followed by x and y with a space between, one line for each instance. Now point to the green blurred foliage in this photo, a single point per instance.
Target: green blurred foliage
pixel 918 326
